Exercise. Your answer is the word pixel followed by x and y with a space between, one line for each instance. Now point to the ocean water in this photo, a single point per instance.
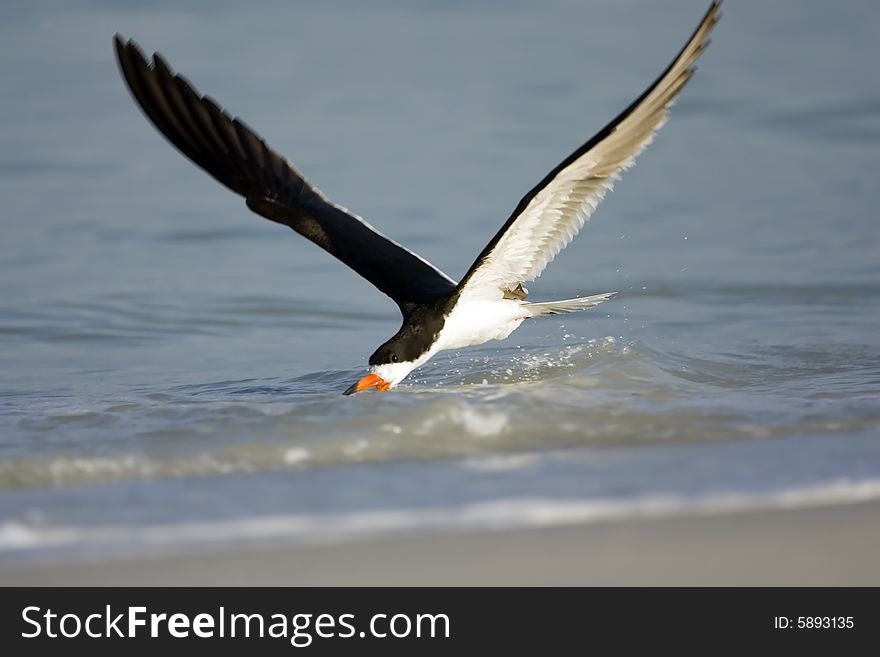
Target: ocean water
pixel 172 366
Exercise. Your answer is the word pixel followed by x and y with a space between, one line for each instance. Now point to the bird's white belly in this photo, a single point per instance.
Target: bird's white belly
pixel 475 322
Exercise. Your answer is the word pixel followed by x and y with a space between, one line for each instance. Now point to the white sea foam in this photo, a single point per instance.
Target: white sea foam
pixel 508 513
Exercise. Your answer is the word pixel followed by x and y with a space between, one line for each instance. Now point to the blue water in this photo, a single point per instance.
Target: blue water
pixel 172 365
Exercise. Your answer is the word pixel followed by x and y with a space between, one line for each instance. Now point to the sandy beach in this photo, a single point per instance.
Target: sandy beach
pixel 820 546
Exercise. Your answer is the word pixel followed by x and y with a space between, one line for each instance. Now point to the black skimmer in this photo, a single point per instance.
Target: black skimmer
pixel 489 302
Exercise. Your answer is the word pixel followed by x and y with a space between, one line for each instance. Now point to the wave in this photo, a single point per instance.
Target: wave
pixel 513 513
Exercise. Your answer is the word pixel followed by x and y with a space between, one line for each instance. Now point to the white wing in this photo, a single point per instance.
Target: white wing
pixel 551 214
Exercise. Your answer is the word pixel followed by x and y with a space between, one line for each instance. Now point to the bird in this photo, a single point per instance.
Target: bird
pixel 491 300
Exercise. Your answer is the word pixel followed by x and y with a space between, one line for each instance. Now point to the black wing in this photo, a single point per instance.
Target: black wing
pixel 237 157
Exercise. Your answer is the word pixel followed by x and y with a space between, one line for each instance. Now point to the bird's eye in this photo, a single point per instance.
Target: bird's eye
pixel 394 358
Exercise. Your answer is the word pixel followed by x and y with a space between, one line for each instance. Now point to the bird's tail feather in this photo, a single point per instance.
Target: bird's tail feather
pixel 567 305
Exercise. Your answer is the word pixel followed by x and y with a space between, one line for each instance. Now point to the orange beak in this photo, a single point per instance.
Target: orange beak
pixel 369 381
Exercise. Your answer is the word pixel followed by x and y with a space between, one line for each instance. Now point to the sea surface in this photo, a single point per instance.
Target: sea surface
pixel 171 366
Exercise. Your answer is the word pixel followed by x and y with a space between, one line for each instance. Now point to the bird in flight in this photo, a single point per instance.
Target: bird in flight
pixel 490 301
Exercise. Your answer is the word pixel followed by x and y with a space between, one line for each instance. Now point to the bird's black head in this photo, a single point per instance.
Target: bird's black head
pixel 411 342
pixel 389 365
pixel 390 352
pixel 409 348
